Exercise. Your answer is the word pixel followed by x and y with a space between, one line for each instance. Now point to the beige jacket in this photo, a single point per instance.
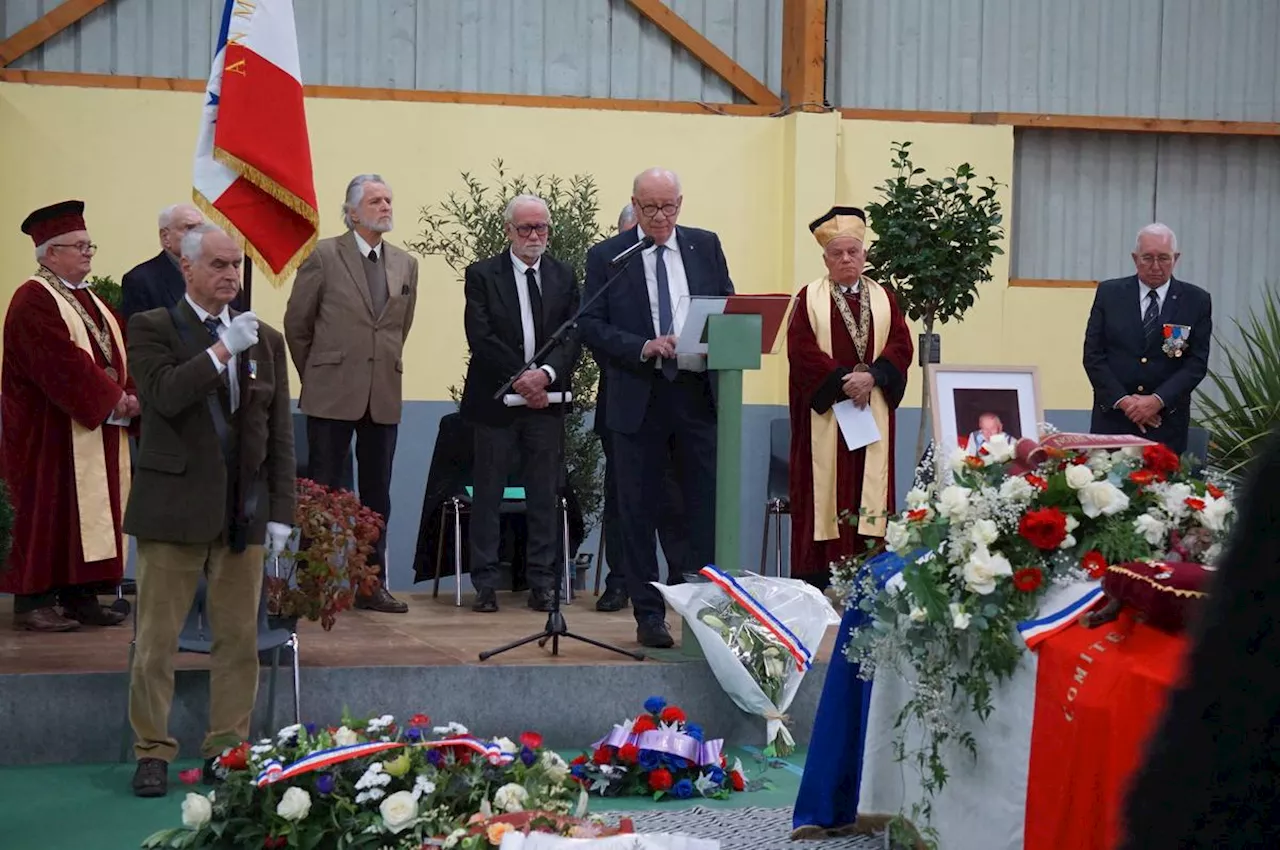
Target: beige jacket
pixel 350 360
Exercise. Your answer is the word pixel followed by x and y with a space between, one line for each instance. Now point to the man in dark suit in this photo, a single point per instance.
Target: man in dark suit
pixel 514 301
pixel 1146 346
pixel 158 282
pixel 657 400
pixel 214 481
pixel 672 534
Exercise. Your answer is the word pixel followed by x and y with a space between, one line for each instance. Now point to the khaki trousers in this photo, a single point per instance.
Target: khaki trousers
pixel 168 575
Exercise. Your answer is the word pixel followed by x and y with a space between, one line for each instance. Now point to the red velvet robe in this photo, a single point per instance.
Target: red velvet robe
pixel 46 382
pixel 810 368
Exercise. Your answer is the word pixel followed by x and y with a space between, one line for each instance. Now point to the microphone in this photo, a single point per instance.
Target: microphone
pixel 644 243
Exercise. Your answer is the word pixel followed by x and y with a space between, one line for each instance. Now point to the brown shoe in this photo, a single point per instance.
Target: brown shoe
pixel 43 620
pixel 90 613
pixel 151 778
pixel 382 601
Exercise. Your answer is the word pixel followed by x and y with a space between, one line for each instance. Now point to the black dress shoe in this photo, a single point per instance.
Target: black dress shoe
pixel 151 778
pixel 540 600
pixel 654 633
pixel 613 600
pixel 381 601
pixel 90 613
pixel 486 602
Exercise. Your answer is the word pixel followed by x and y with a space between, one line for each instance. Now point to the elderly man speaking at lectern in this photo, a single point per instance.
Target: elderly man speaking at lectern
pixel 847 341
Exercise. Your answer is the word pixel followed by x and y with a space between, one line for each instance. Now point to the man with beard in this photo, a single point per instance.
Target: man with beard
pixel 348 317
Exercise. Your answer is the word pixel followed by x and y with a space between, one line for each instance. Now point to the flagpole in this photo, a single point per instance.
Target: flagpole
pixel 246 288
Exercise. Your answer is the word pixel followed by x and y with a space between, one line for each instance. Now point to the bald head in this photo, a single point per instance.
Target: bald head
pixel 656 198
pixel 175 222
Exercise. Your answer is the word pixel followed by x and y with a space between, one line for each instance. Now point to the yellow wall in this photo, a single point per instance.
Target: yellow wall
pixel 757 181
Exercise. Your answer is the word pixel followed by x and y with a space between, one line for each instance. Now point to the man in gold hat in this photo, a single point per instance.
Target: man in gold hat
pixel 847 341
pixel 68 399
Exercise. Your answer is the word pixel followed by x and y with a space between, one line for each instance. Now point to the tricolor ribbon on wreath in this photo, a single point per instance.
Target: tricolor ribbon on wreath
pixel 665 741
pixel 273 771
pixel 801 653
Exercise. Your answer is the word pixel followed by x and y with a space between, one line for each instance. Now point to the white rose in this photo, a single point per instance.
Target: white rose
pixel 983 568
pixel 896 536
pixel 196 811
pixel 1134 452
pixel 294 805
pixel 1151 528
pixel 1000 449
pixel 345 737
pixel 1079 476
pixel 917 498
pixel 918 614
pixel 1101 498
pixel 398 811
pixel 1174 500
pixel 984 533
pixel 953 502
pixel 556 768
pixel 1016 489
pixel 959 460
pixel 1100 461
pixel 507 746
pixel 510 798
pixel 1072 523
pixel 1215 513
pixel 959 618
pixel 1068 542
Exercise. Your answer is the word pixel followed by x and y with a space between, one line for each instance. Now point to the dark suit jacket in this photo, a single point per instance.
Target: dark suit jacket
pixel 156 283
pixel 496 335
pixel 180 484
pixel 1119 361
pixel 618 324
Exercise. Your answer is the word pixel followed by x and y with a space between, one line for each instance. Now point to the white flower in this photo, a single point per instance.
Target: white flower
pixel 959 460
pixel 704 784
pixel 196 811
pixel 452 730
pixel 554 766
pixel 1072 523
pixel 1102 498
pixel 423 787
pixel 1151 528
pixel 896 536
pixel 398 811
pixel 261 749
pixel 454 837
pixel 373 794
pixel 375 776
pixel 983 568
pixel 507 746
pixel 1079 476
pixel 983 533
pixel 345 737
pixel 1068 542
pixel 775 667
pixel 288 733
pixel 1215 513
pixel 918 614
pixel 1134 452
pixel 1016 489
pixel 917 498
pixel 1000 449
pixel 510 798
pixel 294 805
pixel 959 618
pixel 377 724
pixel 953 502
pixel 1173 499
pixel 1212 554
pixel 1100 461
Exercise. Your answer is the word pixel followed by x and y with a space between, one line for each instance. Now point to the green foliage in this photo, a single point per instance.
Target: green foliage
pixel 1244 404
pixel 467 226
pixel 105 287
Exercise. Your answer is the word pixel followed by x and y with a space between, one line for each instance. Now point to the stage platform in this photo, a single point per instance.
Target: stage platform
pixel 63 696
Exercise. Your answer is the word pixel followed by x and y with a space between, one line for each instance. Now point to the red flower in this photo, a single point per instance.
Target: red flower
pixel 918 515
pixel 236 759
pixel 1195 504
pixel 1044 528
pixel 532 740
pixel 579 760
pixel 1094 564
pixel 1143 477
pixel 724 761
pixel 660 779
pixel 1080 459
pixel 1028 579
pixel 644 723
pixel 465 757
pixel 273 842
pixel 975 462
pixel 602 756
pixel 737 780
pixel 671 714
pixel 1161 460
pixel 1036 481
pixel 1214 491
pixel 190 777
pixel 628 754
pixel 419 720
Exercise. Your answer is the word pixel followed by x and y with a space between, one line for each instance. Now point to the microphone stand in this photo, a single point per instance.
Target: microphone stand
pixel 556 626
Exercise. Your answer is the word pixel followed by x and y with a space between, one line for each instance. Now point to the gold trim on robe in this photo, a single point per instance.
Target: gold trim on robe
pixel 100 537
pixel 824 433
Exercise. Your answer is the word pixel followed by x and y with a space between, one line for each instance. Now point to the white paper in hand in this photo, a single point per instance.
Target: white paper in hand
pixel 517 400
pixel 857 424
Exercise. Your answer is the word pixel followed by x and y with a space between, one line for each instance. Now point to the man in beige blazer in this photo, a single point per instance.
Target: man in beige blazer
pixel 348 316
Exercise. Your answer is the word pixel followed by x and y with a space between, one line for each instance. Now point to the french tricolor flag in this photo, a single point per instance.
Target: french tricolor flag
pixel 253 160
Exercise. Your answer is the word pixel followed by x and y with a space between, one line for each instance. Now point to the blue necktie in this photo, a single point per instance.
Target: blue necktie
pixel 213 325
pixel 669 367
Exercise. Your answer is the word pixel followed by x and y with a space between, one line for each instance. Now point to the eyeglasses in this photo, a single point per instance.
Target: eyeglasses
pixel 1152 259
pixel 83 247
pixel 666 209
pixel 527 230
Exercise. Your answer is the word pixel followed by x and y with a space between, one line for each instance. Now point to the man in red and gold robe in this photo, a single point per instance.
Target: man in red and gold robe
pixel 67 400
pixel 847 341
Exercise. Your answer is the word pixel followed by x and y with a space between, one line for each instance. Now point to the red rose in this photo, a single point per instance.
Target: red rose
pixel 644 723
pixel 1195 504
pixel 918 515
pixel 1080 460
pixel 579 760
pixel 532 740
pixel 671 714
pixel 419 720
pixel 236 759
pixel 1044 528
pixel 628 754
pixel 1143 477
pixel 1036 481
pixel 1215 492
pixel 465 758
pixel 1094 564
pixel 1161 460
pixel 660 779
pixel 737 781
pixel 602 756
pixel 1028 579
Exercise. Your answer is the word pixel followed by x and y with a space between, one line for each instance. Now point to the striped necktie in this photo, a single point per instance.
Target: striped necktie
pixel 1151 318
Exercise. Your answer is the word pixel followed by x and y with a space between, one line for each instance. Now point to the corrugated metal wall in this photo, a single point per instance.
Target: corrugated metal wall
pixel 597 48
pixel 1164 58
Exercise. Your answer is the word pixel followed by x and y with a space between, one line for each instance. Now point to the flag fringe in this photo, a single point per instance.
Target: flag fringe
pixel 275 279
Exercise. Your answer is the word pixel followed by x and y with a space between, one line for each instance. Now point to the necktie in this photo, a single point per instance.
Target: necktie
pixel 213 325
pixel 665 323
pixel 1151 318
pixel 373 256
pixel 535 305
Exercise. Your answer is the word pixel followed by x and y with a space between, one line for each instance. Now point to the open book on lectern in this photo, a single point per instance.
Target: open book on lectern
pixel 772 309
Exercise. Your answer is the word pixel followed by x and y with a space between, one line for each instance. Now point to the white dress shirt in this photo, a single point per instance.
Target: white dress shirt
pixel 364 247
pixel 233 381
pixel 526 307
pixel 677 288
pixel 1162 292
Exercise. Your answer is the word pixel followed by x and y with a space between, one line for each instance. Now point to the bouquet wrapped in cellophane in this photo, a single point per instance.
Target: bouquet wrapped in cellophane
pixel 759 635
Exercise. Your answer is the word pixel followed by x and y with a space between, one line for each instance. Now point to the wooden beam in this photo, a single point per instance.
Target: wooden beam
pixel 705 52
pixel 1097 123
pixel 804 55
pixel 44 28
pixel 1052 284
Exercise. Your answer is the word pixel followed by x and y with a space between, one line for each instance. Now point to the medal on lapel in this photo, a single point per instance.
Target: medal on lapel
pixel 253 369
pixel 1176 338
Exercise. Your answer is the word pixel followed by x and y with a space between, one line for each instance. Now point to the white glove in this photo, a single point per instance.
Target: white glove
pixel 278 535
pixel 242 334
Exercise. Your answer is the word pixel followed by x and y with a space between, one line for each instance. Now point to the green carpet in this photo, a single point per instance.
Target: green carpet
pixel 91 807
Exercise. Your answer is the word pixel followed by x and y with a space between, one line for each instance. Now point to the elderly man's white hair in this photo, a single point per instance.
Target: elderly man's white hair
pixel 166 215
pixel 664 173
pixel 627 217
pixel 355 193
pixel 1157 229
pixel 193 241
pixel 509 213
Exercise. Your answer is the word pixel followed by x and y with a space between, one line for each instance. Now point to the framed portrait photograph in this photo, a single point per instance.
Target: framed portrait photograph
pixel 973 403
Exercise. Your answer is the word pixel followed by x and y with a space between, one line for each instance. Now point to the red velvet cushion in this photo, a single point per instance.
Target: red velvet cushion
pixel 1165 594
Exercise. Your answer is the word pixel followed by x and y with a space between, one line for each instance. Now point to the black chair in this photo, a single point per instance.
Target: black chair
pixel 777 500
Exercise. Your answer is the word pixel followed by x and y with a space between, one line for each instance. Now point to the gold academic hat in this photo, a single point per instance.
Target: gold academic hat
pixel 840 221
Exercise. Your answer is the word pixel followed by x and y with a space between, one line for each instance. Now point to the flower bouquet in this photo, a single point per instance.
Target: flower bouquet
pixel 375 784
pixel 758 634
pixel 659 753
